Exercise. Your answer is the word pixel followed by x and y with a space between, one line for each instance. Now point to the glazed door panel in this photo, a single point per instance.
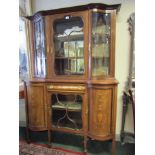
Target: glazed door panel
pixel 68 107
pixel 36 107
pixel 100 111
pixel 68 45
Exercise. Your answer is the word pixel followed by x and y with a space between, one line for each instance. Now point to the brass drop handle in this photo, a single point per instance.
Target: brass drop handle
pixel 51 50
pixel 48 50
pixel 86 111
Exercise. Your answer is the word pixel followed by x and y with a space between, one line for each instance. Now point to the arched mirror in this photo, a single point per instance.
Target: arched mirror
pixel 129 94
pixel 131 22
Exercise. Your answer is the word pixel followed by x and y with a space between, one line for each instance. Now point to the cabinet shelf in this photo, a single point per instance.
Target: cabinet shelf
pixel 100 57
pixel 68 128
pixel 101 34
pixel 70 106
pixel 69 57
pixel 69 38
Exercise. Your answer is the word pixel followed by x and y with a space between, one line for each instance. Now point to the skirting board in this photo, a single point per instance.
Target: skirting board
pixel 127 139
pixel 22 124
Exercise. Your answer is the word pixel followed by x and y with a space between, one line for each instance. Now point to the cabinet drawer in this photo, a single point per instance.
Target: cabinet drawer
pixel 63 87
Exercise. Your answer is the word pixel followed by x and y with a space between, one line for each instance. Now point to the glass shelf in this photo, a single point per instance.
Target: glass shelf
pixel 67 106
pixel 64 38
pixel 68 57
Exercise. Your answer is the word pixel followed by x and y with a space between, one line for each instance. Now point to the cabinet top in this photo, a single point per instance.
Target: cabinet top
pixel 76 8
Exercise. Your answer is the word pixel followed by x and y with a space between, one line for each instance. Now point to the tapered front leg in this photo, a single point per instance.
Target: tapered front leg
pixel 49 139
pixel 113 146
pixel 27 135
pixel 85 144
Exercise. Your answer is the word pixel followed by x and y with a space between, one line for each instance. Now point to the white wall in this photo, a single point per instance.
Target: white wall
pixel 122 44
pixel 122 60
pixel 22 114
pixel 38 5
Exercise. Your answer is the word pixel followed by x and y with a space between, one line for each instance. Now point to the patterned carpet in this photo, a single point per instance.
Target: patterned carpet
pixel 74 142
pixel 34 149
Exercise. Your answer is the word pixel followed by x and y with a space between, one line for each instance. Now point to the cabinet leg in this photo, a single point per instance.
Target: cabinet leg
pixel 113 147
pixel 85 144
pixel 27 135
pixel 49 138
pixel 122 137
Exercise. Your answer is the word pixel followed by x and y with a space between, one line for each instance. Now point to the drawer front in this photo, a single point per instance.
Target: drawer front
pixel 66 87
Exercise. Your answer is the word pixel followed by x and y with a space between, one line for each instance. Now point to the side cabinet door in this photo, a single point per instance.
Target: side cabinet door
pixel 36 107
pixel 101 112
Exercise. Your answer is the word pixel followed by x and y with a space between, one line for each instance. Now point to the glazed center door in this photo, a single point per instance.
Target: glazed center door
pixel 68 45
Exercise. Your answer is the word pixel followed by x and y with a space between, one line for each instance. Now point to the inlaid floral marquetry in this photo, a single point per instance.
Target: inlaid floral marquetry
pixel 36 106
pixel 100 115
pixel 102 111
pixel 56 87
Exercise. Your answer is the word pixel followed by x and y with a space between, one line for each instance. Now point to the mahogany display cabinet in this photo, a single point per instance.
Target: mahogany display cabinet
pixel 72 88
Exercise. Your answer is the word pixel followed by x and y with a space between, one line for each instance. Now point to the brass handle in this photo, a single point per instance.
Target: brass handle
pixel 51 50
pixel 47 49
pixel 86 111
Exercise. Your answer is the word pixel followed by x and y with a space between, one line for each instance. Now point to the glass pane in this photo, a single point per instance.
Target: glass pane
pixel 101 32
pixel 69 46
pixel 67 111
pixel 23 55
pixel 40 58
pixel 80 64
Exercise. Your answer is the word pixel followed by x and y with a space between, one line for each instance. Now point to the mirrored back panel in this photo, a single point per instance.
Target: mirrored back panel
pixel 69 46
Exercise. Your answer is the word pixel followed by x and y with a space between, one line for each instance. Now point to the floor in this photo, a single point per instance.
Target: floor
pixel 72 142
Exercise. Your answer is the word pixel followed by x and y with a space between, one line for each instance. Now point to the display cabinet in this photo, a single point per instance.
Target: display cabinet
pixel 72 87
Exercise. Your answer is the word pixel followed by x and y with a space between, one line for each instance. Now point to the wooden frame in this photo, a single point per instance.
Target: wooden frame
pixel 112 43
pixel 51 19
pixel 68 89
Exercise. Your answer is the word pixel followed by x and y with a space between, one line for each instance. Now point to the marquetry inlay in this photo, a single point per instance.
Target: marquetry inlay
pixel 99 116
pixel 56 87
